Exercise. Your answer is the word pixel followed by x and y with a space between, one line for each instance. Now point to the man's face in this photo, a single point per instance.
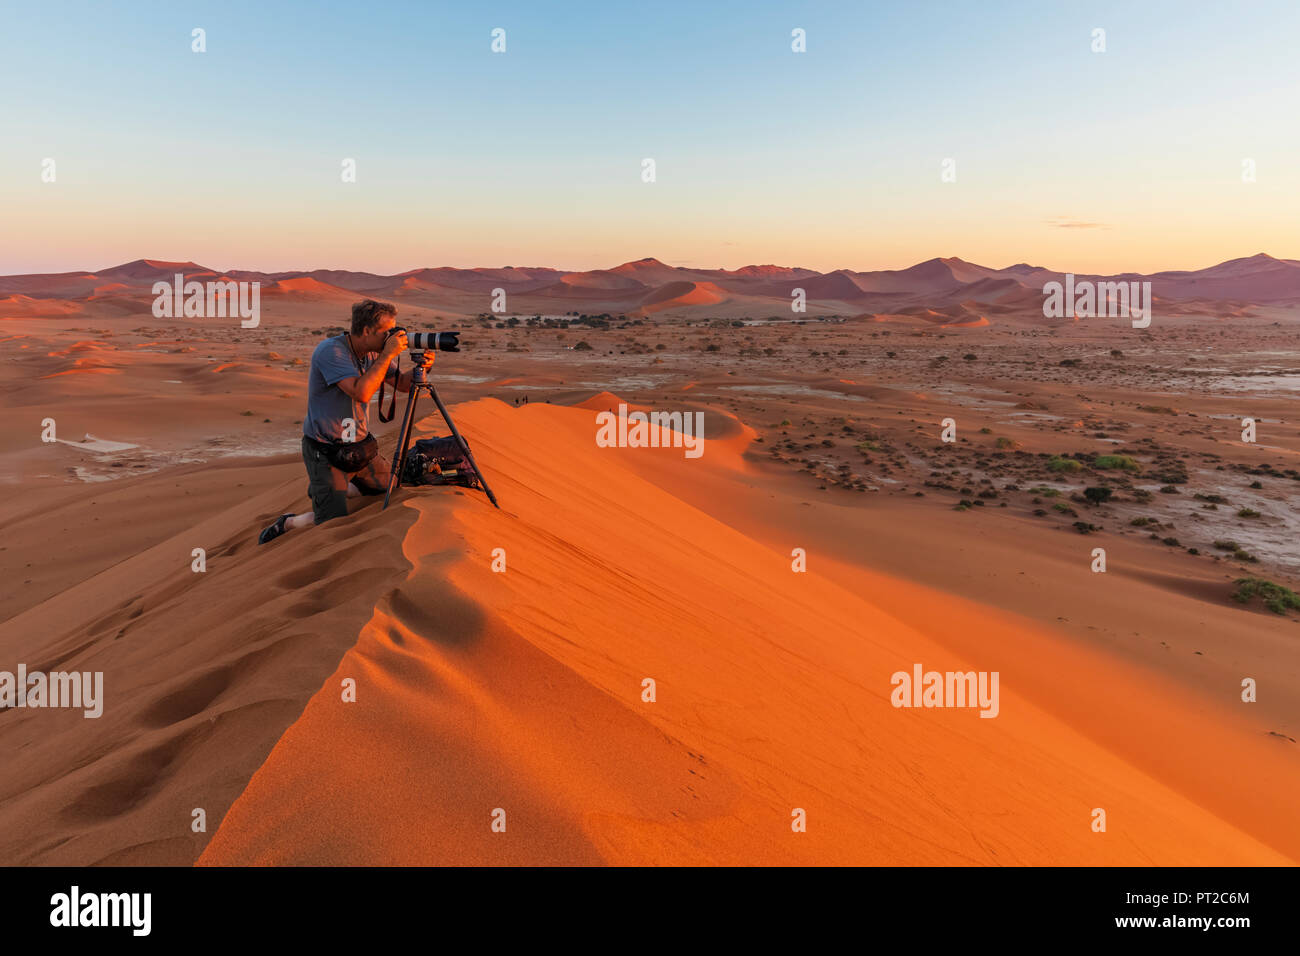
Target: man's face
pixel 373 340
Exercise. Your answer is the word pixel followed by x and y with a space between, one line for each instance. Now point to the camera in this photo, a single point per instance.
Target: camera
pixel 428 341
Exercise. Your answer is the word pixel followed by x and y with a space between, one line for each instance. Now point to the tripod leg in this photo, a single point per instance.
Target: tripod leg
pixel 403 439
pixel 464 446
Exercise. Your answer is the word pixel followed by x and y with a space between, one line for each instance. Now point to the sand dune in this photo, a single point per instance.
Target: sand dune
pixel 639 287
pixel 652 272
pixel 677 294
pixel 26 307
pixel 522 691
pixel 309 288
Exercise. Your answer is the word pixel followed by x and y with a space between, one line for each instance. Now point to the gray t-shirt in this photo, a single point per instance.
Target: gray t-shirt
pixel 327 404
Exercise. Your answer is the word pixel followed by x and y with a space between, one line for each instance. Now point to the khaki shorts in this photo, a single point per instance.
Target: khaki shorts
pixel 328 487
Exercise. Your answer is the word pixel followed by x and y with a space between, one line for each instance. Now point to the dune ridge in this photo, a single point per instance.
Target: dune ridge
pixel 522 691
pixel 648 287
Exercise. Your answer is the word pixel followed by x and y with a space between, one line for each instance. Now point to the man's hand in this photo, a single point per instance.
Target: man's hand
pixel 394 344
pixel 426 359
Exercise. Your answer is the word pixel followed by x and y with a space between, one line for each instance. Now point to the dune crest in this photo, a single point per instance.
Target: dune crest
pixel 524 690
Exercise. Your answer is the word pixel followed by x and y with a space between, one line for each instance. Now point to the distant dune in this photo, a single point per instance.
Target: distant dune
pixel 651 287
pixel 676 294
pixel 308 288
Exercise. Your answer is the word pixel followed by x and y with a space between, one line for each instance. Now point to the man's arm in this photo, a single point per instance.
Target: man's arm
pixel 361 388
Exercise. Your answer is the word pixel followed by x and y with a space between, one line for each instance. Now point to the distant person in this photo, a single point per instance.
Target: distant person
pixel 346 371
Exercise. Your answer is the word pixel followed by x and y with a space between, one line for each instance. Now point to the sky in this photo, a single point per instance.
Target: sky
pixel 1130 159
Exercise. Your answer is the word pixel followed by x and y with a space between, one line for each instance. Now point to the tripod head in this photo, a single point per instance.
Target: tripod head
pixel 419 374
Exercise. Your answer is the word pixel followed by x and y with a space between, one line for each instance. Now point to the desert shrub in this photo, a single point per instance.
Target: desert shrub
pixel 1236 549
pixel 1276 598
pixel 1067 465
pixel 1097 495
pixel 1123 462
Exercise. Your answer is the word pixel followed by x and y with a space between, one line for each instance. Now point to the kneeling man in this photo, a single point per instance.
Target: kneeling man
pixel 341 455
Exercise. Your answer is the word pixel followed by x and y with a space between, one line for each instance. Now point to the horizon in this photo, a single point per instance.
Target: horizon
pixel 762 154
pixel 159 262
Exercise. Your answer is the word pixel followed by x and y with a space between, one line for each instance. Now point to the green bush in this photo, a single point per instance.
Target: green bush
pixel 1123 462
pixel 1066 465
pixel 1276 598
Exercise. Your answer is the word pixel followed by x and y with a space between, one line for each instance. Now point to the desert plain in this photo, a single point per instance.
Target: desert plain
pixel 828 537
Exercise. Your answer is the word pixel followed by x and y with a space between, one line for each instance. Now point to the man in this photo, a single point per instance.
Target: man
pixel 342 458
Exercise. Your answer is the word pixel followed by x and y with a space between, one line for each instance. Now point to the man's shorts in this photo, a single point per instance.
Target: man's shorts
pixel 328 487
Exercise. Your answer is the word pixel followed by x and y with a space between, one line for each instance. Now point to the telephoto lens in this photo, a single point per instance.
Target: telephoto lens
pixel 429 341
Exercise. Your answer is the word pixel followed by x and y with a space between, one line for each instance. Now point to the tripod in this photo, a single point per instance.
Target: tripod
pixel 420 382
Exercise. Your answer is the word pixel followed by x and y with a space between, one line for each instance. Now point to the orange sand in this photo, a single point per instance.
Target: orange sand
pixel 522 691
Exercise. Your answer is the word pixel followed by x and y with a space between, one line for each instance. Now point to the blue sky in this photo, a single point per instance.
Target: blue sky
pixel 1128 159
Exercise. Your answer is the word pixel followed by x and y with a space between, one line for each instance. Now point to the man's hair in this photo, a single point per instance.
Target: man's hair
pixel 365 315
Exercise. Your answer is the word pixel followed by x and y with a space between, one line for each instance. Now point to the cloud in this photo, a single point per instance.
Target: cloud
pixel 1064 222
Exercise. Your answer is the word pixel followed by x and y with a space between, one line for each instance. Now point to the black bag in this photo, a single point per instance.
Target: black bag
pixel 350 457
pixel 438 461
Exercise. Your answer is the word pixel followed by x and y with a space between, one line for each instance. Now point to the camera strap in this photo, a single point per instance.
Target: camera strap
pixel 383 382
